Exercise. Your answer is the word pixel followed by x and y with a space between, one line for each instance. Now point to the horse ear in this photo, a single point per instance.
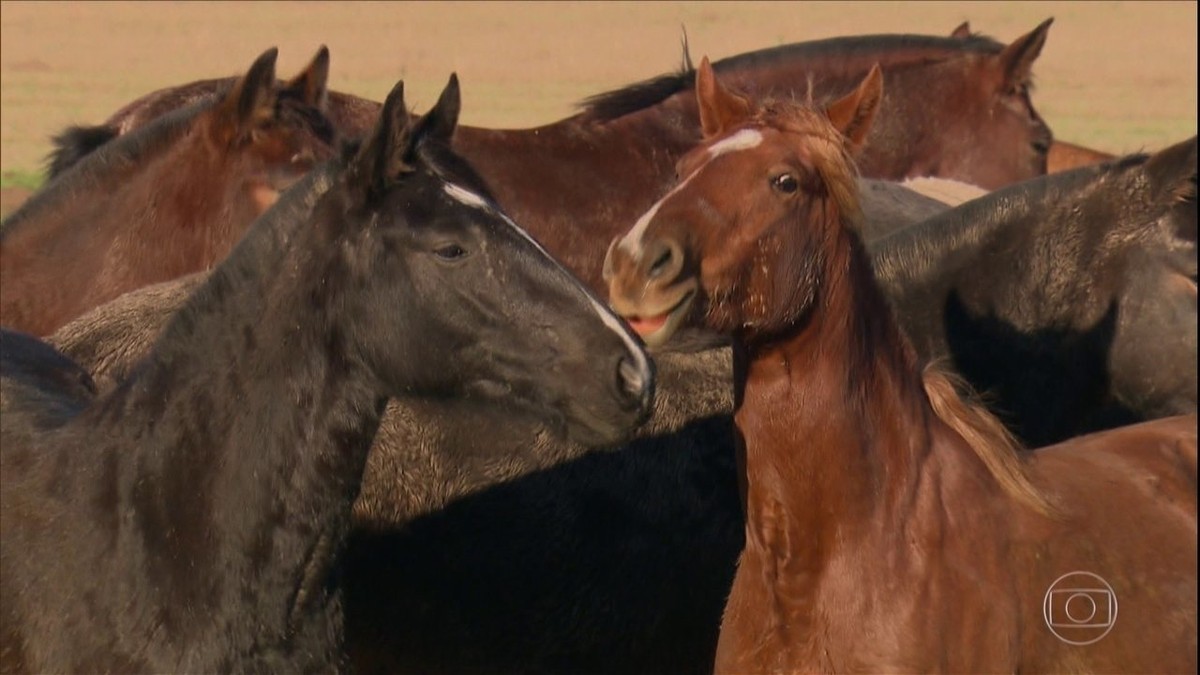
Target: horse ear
pixel 853 113
pixel 441 120
pixel 962 32
pixel 720 108
pixel 382 156
pixel 1016 60
pixel 251 99
pixel 310 84
pixel 1172 171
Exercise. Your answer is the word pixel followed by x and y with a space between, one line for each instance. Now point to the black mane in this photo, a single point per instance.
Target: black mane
pixel 900 48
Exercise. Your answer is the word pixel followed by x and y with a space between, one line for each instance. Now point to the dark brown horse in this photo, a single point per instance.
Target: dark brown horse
pixel 171 199
pixel 958 108
pixel 892 526
pixel 193 520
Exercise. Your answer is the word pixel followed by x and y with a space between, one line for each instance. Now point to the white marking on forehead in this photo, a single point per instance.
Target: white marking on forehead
pixel 466 196
pixel 606 315
pixel 742 140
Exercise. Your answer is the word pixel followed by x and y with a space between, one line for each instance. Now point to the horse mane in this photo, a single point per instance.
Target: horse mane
pixel 109 162
pixel 901 49
pixel 73 144
pixel 954 402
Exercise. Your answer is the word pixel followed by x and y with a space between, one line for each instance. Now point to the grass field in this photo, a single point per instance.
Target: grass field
pixel 1116 76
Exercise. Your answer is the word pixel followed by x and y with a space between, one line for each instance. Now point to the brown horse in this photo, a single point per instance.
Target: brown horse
pixel 959 109
pixel 170 199
pixel 891 526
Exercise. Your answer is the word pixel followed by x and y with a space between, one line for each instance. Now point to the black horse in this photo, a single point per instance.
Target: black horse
pixel 192 519
pixel 1070 300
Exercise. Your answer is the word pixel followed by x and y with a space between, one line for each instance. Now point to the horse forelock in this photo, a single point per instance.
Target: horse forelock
pixel 825 147
pixel 889 50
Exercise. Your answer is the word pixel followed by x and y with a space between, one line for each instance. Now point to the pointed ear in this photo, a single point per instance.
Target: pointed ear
pixel 1015 62
pixel 720 108
pixel 252 99
pixel 310 84
pixel 441 120
pixel 380 160
pixel 962 32
pixel 1172 171
pixel 853 113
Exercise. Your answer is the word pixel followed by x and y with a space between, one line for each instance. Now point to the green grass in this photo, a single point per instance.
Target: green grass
pixel 25 179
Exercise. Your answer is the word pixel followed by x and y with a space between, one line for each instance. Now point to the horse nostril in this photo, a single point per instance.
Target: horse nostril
pixel 666 262
pixel 631 381
pixel 660 263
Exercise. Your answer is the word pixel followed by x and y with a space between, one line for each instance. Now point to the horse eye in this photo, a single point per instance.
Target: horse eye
pixel 785 183
pixel 450 252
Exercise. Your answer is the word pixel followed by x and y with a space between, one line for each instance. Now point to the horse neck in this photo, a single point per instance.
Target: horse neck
pixel 246 431
pixel 832 416
pixel 172 203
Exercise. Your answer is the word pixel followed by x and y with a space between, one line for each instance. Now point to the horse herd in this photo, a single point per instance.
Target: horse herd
pixel 319 384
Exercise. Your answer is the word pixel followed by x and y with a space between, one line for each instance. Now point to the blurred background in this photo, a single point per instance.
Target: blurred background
pixel 1117 76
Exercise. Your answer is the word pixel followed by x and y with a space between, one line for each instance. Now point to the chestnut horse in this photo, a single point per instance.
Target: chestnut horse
pixel 960 109
pixel 890 525
pixel 193 519
pixel 171 199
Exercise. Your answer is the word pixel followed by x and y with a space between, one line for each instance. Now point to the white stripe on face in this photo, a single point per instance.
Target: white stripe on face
pixel 609 319
pixel 742 140
pixel 467 197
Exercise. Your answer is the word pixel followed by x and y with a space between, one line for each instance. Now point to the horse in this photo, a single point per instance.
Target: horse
pixel 891 525
pixel 193 519
pixel 661 570
pixel 960 109
pixel 1070 299
pixel 170 199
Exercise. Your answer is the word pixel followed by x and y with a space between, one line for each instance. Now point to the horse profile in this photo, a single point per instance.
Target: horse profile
pixel 960 109
pixel 171 199
pixel 193 519
pixel 891 525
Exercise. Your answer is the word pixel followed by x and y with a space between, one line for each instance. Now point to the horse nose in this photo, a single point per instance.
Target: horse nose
pixel 635 383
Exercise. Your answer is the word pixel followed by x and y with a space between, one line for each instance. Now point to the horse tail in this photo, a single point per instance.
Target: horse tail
pixel 73 144
pixel 955 403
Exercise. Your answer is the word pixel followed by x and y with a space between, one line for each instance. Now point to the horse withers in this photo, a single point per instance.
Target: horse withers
pixel 193 519
pixel 890 524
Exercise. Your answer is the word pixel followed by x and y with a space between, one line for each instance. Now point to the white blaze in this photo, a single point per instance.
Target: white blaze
pixel 742 140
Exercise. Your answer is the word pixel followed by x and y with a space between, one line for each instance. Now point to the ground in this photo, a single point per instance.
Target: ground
pixel 1116 76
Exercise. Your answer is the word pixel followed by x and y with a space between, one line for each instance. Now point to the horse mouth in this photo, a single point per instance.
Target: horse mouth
pixel 656 329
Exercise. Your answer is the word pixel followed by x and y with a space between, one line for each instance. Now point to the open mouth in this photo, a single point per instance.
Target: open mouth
pixel 656 329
